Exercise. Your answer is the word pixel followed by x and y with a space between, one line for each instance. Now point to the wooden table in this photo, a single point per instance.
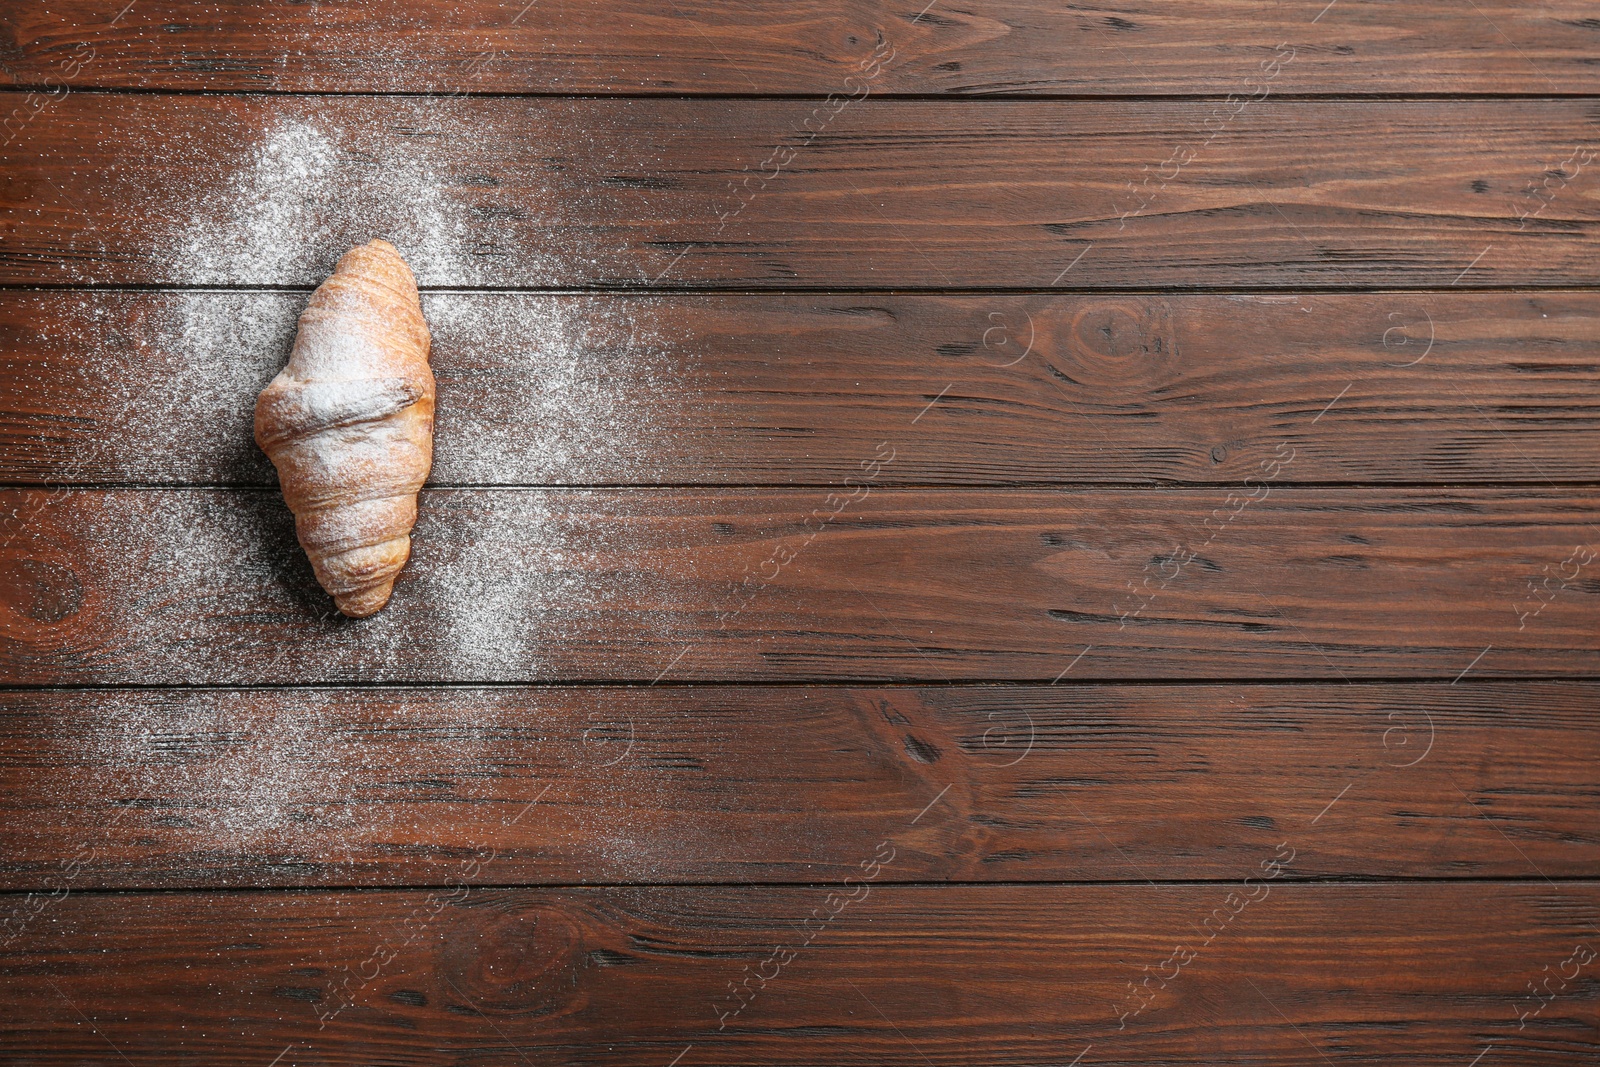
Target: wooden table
pixel 1015 533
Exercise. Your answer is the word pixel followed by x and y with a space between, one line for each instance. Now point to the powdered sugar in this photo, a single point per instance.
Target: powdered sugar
pixel 465 204
pixel 577 389
pixel 210 587
pixel 536 390
pixel 553 390
pixel 236 772
pixel 307 192
pixel 170 380
pixel 223 787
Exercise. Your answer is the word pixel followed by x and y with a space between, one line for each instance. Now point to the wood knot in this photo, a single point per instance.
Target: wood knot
pixel 510 958
pixel 1119 343
pixel 38 592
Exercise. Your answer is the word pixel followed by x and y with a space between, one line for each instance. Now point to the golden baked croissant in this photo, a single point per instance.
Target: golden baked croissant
pixel 349 425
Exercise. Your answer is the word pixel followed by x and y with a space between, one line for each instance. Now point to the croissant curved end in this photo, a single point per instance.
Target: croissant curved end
pixel 367 602
pixel 349 425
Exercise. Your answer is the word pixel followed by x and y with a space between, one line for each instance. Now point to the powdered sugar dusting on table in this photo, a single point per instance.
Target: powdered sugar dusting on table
pixel 210 587
pixel 304 196
pixel 433 176
pixel 582 390
pixel 540 390
pixel 228 786
pixel 504 586
pixel 237 772
pixel 586 396
pixel 513 586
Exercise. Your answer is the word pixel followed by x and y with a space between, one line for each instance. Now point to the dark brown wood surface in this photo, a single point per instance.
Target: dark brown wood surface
pixel 1108 578
pixel 533 192
pixel 764 46
pixel 185 788
pixel 1300 975
pixel 209 587
pixel 775 389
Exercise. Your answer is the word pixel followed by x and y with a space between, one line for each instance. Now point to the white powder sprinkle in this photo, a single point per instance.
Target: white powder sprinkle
pixel 539 390
pixel 224 776
pixel 436 176
pixel 210 587
pixel 175 374
pixel 304 197
pixel 218 783
pixel 202 586
pixel 582 390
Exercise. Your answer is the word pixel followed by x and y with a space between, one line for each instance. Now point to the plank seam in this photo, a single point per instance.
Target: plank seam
pixel 1358 881
pixel 640 289
pixel 950 97
pixel 1541 485
pixel 1442 681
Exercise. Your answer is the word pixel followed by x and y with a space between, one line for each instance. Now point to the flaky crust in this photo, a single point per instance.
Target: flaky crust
pixel 349 425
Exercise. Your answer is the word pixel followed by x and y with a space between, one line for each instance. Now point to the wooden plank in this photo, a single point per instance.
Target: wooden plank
pixel 209 586
pixel 767 388
pixel 630 46
pixel 1268 972
pixel 520 192
pixel 150 788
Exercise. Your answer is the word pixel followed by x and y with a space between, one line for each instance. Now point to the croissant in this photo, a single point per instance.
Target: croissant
pixel 349 425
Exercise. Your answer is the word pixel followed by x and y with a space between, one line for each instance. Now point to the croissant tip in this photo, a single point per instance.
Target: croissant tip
pixel 380 261
pixel 364 602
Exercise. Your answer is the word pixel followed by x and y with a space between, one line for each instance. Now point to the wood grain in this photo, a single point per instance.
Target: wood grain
pixel 763 46
pixel 157 387
pixel 209 586
pixel 1213 246
pixel 597 785
pixel 518 192
pixel 1299 975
